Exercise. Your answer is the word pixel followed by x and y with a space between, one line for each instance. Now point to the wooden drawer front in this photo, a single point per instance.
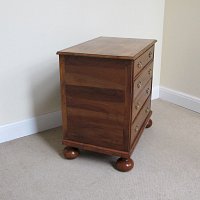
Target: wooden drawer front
pixel 136 126
pixel 142 80
pixel 139 101
pixel 141 62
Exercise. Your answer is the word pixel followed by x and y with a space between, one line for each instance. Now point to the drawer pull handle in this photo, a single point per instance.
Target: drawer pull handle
pixel 140 65
pixel 147 110
pixel 139 84
pixel 147 91
pixel 149 72
pixel 150 54
pixel 137 106
pixel 136 128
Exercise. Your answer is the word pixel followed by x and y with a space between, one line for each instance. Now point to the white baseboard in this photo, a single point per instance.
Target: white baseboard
pixel 37 124
pixel 51 120
pixel 155 93
pixel 29 126
pixel 180 98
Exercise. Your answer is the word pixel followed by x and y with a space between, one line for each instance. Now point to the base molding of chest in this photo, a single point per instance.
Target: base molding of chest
pixel 108 151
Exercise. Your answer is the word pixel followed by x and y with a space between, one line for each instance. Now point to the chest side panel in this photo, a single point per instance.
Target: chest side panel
pixel 95 90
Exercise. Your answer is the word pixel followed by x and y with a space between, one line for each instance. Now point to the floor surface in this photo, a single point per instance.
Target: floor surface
pixel 167 165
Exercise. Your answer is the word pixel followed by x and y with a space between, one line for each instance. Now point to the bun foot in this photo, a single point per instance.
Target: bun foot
pixel 71 152
pixel 149 124
pixel 124 164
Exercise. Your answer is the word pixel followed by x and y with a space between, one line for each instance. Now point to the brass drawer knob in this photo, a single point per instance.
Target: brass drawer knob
pixel 149 72
pixel 150 54
pixel 140 65
pixel 139 84
pixel 136 128
pixel 137 106
pixel 147 90
pixel 147 110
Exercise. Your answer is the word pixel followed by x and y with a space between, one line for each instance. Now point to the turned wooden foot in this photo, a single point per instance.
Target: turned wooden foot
pixel 71 152
pixel 124 164
pixel 149 124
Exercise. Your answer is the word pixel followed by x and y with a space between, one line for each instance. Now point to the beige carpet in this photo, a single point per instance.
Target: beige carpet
pixel 167 165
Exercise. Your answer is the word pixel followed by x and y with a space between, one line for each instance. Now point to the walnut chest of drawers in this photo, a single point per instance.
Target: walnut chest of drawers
pixel 106 96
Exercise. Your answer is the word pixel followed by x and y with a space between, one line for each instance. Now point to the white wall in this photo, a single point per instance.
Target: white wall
pixel 32 31
pixel 181 47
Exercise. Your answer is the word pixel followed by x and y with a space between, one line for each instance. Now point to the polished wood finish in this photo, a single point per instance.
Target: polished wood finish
pixel 142 61
pixel 124 164
pixel 110 47
pixel 139 120
pixel 95 101
pixel 101 88
pixel 71 152
pixel 142 80
pixel 140 100
pixel 140 133
pixel 149 124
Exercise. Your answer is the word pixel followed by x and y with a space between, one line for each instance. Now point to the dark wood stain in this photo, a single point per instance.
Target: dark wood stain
pixel 110 47
pixel 102 83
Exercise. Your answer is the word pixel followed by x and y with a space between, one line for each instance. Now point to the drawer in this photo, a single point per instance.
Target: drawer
pixel 137 124
pixel 141 62
pixel 139 101
pixel 142 80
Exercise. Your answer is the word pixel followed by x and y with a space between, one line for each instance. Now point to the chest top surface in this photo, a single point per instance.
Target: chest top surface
pixel 110 47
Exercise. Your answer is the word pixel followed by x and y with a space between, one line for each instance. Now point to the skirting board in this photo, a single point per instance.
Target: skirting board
pixel 29 126
pixel 155 93
pixel 40 123
pixel 180 98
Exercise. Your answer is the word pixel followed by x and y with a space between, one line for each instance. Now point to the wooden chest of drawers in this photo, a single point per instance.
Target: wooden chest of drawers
pixel 106 96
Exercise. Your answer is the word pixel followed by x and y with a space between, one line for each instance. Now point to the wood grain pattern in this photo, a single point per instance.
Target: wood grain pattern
pixel 142 79
pixel 95 148
pixel 95 72
pixel 138 122
pixel 96 102
pixel 110 47
pixel 140 133
pixel 142 61
pixel 138 102
pixel 101 88
pixel 63 94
